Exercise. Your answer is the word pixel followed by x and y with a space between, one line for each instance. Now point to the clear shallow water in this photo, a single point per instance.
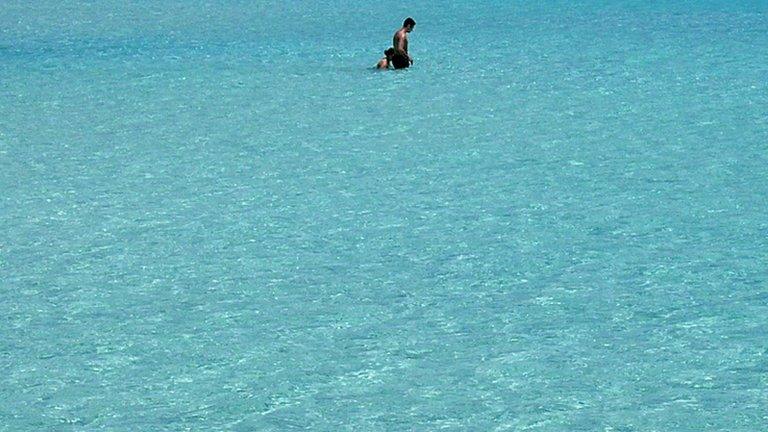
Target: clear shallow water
pixel 218 217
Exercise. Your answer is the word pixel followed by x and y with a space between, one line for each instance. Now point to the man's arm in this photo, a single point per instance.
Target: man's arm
pixel 402 45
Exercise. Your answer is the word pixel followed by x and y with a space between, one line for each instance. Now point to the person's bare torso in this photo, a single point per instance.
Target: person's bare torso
pixel 400 41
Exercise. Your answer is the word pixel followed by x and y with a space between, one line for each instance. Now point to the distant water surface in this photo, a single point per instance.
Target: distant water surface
pixel 216 216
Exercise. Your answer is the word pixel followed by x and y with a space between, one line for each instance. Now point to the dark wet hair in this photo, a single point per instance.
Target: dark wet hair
pixel 409 22
pixel 389 52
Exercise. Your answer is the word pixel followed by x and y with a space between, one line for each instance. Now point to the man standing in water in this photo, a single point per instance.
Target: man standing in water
pixel 401 59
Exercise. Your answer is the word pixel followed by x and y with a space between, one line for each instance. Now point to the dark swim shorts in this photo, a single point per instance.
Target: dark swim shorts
pixel 400 61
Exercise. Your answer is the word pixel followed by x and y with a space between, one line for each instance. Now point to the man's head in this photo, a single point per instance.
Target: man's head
pixel 389 52
pixel 409 24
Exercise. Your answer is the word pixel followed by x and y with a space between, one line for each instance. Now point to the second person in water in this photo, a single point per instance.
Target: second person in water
pixel 386 61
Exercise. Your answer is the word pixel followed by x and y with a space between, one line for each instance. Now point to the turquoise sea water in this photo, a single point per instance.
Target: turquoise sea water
pixel 216 216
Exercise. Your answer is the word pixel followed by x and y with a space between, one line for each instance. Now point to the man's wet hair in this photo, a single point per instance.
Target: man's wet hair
pixel 409 22
pixel 389 52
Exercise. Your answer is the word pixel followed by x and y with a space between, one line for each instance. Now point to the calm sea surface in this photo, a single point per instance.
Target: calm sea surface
pixel 215 216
